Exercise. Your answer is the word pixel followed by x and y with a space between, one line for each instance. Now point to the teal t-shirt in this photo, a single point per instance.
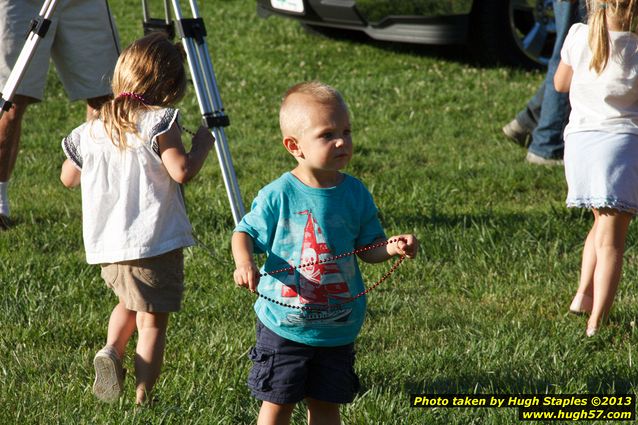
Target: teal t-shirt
pixel 294 224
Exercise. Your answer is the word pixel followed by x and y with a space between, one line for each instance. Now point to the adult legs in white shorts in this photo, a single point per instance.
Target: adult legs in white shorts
pixel 82 41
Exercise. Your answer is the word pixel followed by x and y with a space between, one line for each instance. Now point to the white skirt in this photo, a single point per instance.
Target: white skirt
pixel 602 170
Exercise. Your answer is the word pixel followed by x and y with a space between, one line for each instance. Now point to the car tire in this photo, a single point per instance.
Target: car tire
pixel 513 32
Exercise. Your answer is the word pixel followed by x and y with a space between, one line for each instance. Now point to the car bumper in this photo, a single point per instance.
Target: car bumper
pixel 439 29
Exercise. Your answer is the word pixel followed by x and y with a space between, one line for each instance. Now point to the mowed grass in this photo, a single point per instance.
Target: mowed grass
pixel 482 310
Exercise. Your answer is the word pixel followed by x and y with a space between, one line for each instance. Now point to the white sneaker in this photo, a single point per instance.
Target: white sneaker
pixel 109 375
pixel 532 158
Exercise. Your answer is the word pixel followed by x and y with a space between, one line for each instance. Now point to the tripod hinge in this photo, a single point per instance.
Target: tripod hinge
pixel 192 28
pixel 215 121
pixel 5 105
pixel 39 26
pixel 152 25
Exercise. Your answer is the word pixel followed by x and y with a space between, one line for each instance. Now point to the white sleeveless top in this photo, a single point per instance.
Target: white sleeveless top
pixel 607 102
pixel 131 207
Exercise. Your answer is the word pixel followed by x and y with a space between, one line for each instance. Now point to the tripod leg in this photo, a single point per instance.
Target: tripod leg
pixel 193 32
pixel 145 13
pixel 37 31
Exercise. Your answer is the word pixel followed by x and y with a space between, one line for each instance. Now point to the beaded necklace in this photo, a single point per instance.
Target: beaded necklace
pixel 327 260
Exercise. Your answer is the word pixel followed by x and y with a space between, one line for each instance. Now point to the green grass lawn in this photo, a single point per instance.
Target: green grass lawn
pixel 482 310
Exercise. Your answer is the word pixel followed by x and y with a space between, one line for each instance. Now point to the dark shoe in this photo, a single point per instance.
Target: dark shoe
pixel 517 133
pixel 5 223
pixel 532 158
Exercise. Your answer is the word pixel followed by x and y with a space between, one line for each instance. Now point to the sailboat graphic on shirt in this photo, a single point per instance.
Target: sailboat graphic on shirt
pixel 320 281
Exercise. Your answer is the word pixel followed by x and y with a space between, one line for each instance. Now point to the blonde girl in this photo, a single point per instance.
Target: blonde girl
pixel 599 68
pixel 130 162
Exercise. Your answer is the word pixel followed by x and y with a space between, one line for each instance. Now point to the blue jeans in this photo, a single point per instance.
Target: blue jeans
pixel 547 111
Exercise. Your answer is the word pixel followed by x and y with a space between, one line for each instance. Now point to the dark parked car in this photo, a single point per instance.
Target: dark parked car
pixel 516 32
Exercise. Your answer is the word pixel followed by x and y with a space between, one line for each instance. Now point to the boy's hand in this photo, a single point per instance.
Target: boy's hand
pixel 247 275
pixel 408 245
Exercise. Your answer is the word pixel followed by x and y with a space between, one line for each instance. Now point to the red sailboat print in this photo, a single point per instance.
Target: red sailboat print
pixel 319 282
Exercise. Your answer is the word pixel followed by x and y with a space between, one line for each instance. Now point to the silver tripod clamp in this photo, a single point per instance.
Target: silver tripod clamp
pixel 153 24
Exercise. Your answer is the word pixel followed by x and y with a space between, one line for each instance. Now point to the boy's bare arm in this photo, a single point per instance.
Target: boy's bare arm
pixel 407 245
pixel 246 273
pixel 182 166
pixel 70 176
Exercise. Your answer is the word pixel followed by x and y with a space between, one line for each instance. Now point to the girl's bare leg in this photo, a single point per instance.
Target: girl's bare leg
pixel 109 375
pixel 609 242
pixel 583 300
pixel 121 328
pixel 149 354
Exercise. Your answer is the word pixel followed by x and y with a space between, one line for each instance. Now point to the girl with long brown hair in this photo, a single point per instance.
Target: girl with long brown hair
pixel 130 162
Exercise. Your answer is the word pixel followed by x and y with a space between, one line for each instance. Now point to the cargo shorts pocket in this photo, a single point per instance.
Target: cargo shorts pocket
pixel 261 372
pixel 109 273
pixel 166 270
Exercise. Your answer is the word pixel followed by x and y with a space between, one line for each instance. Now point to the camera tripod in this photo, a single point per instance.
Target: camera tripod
pixel 192 33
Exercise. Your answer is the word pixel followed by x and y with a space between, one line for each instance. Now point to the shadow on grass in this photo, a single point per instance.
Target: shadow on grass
pixel 611 381
pixel 507 223
pixel 469 384
pixel 602 381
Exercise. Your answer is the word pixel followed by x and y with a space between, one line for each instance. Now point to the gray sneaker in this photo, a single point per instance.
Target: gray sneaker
pixel 109 375
pixel 532 158
pixel 517 133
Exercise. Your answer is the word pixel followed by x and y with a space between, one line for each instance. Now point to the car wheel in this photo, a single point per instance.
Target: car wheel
pixel 514 32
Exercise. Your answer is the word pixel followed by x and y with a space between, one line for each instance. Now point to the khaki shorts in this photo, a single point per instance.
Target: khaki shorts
pixel 153 285
pixel 82 41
